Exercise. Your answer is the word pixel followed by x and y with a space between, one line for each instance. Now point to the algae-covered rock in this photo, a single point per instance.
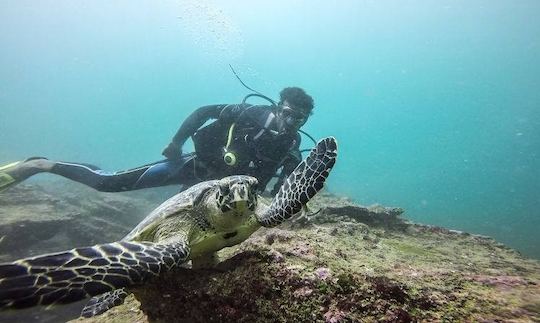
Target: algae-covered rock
pixel 339 263
pixel 385 270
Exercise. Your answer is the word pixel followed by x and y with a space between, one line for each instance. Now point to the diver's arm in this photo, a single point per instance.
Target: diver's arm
pixel 189 127
pixel 225 112
pixel 195 121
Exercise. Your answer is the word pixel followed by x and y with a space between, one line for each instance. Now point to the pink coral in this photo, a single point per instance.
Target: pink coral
pixel 334 316
pixel 302 292
pixel 323 273
pixel 275 256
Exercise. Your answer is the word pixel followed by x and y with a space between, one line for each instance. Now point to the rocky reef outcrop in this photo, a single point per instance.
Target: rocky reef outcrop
pixel 34 220
pixel 341 262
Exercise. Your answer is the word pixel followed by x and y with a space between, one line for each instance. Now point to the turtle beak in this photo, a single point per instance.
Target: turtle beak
pixel 242 198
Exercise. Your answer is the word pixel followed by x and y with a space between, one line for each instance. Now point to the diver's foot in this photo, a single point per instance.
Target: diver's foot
pixel 14 173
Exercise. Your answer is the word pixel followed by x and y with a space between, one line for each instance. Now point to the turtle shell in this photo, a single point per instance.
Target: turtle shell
pixel 182 202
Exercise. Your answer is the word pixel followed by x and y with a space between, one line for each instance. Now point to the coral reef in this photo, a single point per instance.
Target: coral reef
pixel 343 263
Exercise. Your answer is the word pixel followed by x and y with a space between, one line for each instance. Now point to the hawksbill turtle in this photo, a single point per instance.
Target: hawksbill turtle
pixel 192 225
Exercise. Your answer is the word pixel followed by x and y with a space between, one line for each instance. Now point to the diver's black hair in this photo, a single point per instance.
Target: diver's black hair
pixel 297 97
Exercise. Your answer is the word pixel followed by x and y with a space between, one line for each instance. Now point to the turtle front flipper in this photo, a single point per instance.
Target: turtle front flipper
pixel 102 303
pixel 302 184
pixel 73 275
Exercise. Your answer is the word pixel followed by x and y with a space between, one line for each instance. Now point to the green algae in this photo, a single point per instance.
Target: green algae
pixel 346 271
pixel 409 249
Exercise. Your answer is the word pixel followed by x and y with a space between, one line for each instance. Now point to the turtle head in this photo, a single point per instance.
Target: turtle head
pixel 237 194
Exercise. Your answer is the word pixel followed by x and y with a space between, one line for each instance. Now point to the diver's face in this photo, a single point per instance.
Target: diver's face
pixel 291 119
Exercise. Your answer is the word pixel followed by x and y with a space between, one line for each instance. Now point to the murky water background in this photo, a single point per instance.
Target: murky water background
pixel 435 104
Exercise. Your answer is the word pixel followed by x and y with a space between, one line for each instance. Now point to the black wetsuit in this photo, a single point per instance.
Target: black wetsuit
pixel 249 132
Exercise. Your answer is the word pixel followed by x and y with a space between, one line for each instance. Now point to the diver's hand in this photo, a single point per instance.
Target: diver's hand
pixel 172 151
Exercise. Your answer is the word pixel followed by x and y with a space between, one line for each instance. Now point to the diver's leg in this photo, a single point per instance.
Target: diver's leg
pixel 17 172
pixel 151 175
pixel 166 172
pixel 190 172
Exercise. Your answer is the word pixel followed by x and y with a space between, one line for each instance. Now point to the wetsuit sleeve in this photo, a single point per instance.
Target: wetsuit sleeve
pixel 294 157
pixel 195 121
pixel 224 112
pixel 232 112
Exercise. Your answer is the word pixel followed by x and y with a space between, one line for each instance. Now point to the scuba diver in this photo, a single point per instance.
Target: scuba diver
pixel 256 140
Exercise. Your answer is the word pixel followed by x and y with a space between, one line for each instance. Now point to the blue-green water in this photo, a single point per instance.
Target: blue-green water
pixel 436 104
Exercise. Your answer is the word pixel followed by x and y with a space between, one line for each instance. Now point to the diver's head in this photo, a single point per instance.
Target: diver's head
pixel 295 107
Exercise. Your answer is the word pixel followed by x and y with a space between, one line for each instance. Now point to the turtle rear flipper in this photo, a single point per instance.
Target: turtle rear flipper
pixel 102 303
pixel 302 184
pixel 73 275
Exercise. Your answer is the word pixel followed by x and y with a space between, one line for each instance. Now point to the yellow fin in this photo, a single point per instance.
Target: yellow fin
pixel 6 179
pixel 9 165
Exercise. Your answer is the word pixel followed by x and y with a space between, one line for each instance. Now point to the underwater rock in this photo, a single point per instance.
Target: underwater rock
pixel 345 263
pixel 332 209
pixel 36 220
pixel 277 234
pixel 384 270
pixel 323 273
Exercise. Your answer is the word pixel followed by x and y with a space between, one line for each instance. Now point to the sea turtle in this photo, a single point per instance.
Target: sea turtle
pixel 191 225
